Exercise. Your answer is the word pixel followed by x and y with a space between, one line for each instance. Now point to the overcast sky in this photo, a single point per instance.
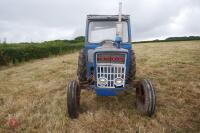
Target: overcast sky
pixel 41 20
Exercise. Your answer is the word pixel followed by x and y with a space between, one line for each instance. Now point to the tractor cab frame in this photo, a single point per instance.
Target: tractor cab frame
pixel 101 54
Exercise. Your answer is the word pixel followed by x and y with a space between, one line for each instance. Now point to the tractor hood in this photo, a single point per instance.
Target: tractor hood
pixel 107 46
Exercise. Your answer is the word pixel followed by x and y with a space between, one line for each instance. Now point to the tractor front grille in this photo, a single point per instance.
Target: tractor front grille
pixel 110 72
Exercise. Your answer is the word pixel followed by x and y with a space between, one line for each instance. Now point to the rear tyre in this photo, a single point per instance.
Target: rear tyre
pixel 132 67
pixel 73 99
pixel 81 72
pixel 145 98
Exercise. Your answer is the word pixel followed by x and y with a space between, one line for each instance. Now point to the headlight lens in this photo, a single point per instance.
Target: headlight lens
pixel 103 81
pixel 118 81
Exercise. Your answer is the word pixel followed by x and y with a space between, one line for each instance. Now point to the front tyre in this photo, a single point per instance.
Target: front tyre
pixel 81 72
pixel 73 99
pixel 132 67
pixel 145 98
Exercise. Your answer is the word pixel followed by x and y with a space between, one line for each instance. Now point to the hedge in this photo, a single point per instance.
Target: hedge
pixel 16 53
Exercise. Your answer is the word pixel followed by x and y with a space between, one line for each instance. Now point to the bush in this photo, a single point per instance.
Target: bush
pixel 15 53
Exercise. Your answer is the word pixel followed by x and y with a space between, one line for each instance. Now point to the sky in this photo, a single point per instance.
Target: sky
pixel 43 20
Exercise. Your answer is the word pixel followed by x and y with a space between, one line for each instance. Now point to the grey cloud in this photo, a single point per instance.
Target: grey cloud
pixel 39 20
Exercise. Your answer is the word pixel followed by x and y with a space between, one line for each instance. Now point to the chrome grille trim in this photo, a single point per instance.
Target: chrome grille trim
pixel 110 72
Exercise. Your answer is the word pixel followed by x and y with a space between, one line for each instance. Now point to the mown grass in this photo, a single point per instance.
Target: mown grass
pixel 34 94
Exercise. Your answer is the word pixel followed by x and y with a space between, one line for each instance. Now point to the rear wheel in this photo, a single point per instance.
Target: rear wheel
pixel 73 99
pixel 145 98
pixel 132 67
pixel 81 72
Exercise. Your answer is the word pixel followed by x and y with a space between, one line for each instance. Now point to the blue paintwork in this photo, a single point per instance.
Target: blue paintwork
pixel 87 46
pixel 108 92
pixel 118 40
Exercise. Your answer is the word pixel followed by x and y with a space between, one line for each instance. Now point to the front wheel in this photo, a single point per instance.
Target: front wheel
pixel 73 99
pixel 145 98
pixel 132 72
pixel 81 72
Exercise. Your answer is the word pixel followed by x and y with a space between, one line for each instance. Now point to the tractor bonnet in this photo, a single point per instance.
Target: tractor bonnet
pixel 107 47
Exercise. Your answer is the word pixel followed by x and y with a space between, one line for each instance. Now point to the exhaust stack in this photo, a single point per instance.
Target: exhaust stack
pixel 120 12
pixel 119 26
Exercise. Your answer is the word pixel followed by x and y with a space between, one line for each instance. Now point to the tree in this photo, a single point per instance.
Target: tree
pixel 80 39
pixel 4 40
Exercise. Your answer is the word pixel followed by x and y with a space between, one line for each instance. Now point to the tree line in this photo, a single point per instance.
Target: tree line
pixel 169 39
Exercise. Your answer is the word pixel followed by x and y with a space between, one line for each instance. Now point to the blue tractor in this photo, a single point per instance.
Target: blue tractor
pixel 107 64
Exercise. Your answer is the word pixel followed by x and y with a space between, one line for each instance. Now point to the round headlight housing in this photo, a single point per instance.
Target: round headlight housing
pixel 118 81
pixel 102 81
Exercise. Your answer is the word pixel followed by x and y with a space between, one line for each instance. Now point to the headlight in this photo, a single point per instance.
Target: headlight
pixel 103 81
pixel 118 81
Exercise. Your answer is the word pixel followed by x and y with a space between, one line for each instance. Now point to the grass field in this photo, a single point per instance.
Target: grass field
pixel 34 94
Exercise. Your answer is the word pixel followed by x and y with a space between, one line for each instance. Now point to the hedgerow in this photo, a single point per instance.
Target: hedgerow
pixel 16 53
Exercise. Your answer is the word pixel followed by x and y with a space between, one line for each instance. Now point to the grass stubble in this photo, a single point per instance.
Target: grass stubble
pixel 34 93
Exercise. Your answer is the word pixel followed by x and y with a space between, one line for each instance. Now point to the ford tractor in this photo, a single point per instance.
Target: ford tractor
pixel 107 64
